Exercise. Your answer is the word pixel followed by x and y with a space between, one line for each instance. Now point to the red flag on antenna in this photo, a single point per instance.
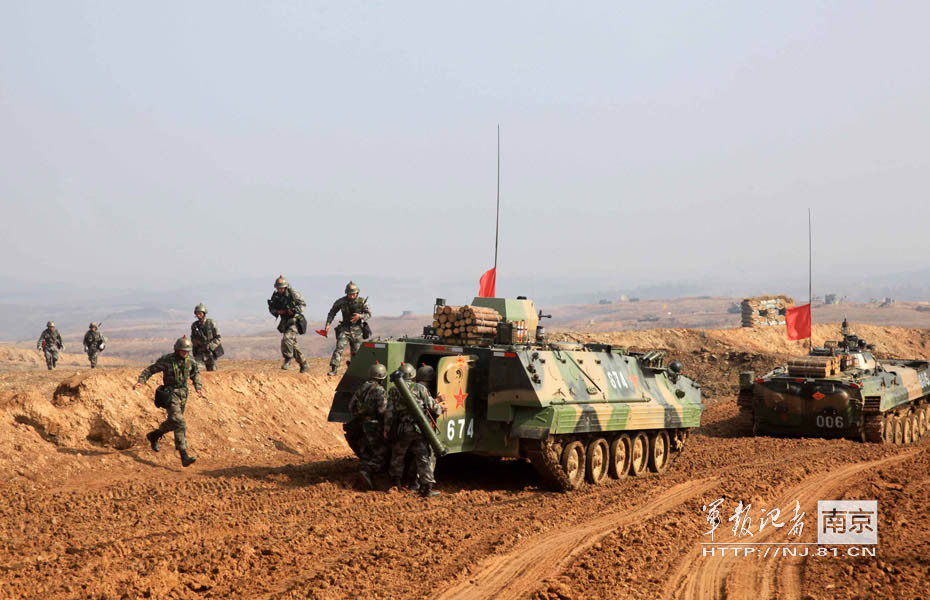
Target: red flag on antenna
pixel 488 283
pixel 798 319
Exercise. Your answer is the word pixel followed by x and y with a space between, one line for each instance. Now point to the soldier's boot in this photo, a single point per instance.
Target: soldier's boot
pixel 396 484
pixel 413 485
pixel 286 364
pixel 153 437
pixel 366 480
pixel 186 459
pixel 333 370
pixel 427 491
pixel 304 367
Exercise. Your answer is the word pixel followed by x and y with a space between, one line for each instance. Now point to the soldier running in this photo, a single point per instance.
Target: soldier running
pixel 289 305
pixel 367 406
pixel 50 343
pixel 404 433
pixel 205 336
pixel 355 312
pixel 176 368
pixel 94 343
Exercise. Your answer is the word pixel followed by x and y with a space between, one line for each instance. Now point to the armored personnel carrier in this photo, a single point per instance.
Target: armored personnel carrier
pixel 578 412
pixel 840 390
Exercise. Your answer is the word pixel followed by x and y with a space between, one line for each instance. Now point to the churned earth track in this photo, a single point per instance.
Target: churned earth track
pixel 701 576
pixel 661 555
pixel 512 575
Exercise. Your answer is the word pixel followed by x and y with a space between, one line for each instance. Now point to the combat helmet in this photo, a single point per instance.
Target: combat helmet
pixel 407 370
pixel 377 371
pixel 281 283
pixel 426 373
pixel 351 288
pixel 183 344
pixel 200 308
pixel 92 325
pixel 50 324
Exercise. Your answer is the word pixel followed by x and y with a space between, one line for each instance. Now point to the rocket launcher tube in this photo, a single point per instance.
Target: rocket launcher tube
pixel 428 432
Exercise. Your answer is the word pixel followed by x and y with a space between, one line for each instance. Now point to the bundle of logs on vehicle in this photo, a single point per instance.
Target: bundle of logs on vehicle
pixel 765 310
pixel 466 324
pixel 814 366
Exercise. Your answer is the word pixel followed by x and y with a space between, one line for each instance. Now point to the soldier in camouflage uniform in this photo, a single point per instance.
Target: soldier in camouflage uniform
pixel 368 405
pixel 401 429
pixel 50 343
pixel 176 368
pixel 355 312
pixel 205 336
pixel 425 375
pixel 289 305
pixel 93 342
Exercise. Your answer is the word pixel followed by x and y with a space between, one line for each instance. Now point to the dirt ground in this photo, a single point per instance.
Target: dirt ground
pixel 272 508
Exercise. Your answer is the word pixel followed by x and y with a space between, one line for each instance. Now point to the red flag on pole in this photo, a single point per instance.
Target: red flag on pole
pixel 798 319
pixel 488 282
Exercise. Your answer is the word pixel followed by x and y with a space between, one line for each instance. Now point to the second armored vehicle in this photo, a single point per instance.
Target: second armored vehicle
pixel 841 390
pixel 578 412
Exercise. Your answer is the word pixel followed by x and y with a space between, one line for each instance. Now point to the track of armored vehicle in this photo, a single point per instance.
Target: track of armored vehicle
pixel 841 390
pixel 579 412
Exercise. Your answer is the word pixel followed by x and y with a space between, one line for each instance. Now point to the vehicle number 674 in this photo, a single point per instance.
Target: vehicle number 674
pixel 457 426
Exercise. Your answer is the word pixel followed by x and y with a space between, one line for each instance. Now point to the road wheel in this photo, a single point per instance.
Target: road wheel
pixel 922 421
pixel 639 454
pixel 898 430
pixel 908 426
pixel 888 429
pixel 597 460
pixel 659 451
pixel 573 464
pixel 620 456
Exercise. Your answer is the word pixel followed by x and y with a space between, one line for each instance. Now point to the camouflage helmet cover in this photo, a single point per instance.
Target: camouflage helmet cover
pixel 351 288
pixel 426 373
pixel 280 282
pixel 200 308
pixel 50 324
pixel 92 326
pixel 407 370
pixel 183 344
pixel 377 371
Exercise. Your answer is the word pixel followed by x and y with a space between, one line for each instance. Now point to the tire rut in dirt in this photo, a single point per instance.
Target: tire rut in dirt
pixel 731 577
pixel 513 574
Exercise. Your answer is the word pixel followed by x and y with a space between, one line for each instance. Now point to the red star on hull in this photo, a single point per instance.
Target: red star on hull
pixel 460 399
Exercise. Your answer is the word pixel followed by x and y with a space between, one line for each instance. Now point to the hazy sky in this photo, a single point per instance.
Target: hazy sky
pixel 150 142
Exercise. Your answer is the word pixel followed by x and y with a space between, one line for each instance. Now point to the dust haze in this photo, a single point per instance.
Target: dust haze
pixel 154 148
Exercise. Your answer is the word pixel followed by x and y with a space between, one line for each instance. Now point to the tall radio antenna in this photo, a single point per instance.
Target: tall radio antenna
pixel 497 222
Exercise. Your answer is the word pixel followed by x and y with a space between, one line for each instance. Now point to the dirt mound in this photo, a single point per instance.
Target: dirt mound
pixel 890 341
pixel 249 413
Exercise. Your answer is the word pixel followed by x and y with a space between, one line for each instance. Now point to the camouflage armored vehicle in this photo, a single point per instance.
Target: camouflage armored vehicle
pixel 840 390
pixel 578 412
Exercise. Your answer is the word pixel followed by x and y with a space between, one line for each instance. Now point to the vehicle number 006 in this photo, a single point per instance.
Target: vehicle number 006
pixel 830 421
pixel 457 426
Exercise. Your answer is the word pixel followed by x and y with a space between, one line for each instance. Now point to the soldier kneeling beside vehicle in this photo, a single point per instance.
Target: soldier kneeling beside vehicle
pixel 388 427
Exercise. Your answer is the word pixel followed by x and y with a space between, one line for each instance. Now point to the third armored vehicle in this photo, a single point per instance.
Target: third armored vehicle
pixel 841 390
pixel 576 411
